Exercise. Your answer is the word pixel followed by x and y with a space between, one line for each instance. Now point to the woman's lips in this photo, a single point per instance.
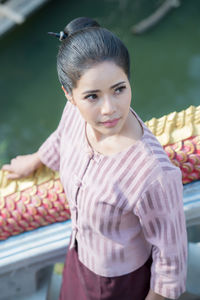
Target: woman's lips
pixel 110 123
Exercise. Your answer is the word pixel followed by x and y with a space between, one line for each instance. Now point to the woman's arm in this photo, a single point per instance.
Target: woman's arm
pixel 22 166
pixel 161 215
pixel 48 154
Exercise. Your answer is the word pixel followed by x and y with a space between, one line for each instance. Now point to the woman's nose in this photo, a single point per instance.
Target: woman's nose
pixel 107 107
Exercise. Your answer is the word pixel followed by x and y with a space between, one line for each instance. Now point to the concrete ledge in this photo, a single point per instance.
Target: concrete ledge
pixel 26 261
pixel 191 201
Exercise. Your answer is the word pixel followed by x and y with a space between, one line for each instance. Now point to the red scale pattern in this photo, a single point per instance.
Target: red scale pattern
pixel 32 208
pixel 186 155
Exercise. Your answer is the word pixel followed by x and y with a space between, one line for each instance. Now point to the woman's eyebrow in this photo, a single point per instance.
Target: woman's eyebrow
pixel 91 92
pixel 97 91
pixel 115 85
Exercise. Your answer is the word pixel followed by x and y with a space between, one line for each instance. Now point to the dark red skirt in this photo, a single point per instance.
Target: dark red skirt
pixel 79 283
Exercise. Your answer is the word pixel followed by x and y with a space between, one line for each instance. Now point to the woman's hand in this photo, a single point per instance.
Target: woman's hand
pixel 22 166
pixel 153 296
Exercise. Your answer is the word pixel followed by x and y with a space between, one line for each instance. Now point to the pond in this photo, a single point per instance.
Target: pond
pixel 165 66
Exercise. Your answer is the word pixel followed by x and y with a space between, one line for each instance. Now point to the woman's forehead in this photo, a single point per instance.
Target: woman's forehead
pixel 102 75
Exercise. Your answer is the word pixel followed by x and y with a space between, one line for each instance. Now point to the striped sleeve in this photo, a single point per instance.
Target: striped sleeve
pixel 49 151
pixel 161 215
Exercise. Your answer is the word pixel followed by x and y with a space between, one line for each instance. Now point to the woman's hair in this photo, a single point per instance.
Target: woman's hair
pixel 84 44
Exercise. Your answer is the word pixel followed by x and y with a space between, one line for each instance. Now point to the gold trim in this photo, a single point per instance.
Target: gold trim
pixel 176 126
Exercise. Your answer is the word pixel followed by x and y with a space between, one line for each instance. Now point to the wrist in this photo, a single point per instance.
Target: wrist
pixel 154 296
pixel 37 161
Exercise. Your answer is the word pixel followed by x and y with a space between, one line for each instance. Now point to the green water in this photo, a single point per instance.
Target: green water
pixel 165 66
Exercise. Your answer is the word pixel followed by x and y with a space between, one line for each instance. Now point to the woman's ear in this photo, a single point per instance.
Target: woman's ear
pixel 68 95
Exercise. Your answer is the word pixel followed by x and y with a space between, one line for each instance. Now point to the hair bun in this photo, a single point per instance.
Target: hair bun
pixel 79 24
pixel 74 26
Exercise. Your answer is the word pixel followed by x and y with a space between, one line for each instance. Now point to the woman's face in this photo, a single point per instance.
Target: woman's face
pixel 103 97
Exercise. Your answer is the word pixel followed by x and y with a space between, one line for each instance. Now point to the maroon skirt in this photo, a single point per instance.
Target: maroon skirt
pixel 79 283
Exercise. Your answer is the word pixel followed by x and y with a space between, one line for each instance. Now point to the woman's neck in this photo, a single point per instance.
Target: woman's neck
pixel 108 145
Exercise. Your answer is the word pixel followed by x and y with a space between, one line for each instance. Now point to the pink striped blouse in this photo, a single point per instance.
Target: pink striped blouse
pixel 123 206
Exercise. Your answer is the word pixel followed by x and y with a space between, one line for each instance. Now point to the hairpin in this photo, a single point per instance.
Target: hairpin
pixel 60 35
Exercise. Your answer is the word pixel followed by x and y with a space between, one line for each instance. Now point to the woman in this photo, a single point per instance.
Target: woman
pixel 128 228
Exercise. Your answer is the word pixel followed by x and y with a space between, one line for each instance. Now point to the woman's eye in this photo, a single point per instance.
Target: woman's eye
pixel 119 89
pixel 91 97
